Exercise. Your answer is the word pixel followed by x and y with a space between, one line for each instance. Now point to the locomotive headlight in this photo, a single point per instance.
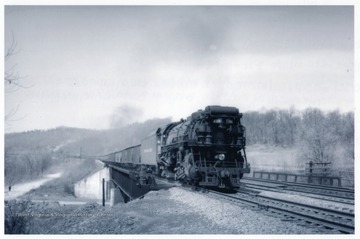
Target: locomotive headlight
pixel 224 174
pixel 218 121
pixel 221 157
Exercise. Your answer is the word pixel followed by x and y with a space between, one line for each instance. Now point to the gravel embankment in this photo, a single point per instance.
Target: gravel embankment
pixel 236 219
pixel 173 211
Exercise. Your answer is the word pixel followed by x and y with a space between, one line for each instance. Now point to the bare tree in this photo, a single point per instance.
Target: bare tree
pixel 319 135
pixel 16 221
pixel 12 78
pixel 22 166
pixel 44 161
pixel 348 135
pixel 274 127
pixel 14 169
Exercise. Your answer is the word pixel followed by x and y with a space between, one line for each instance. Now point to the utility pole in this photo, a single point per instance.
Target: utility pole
pixel 103 192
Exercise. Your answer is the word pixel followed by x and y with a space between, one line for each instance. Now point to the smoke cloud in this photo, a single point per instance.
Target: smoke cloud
pixel 125 115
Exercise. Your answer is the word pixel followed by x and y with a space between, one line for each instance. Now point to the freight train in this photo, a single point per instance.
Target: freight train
pixel 207 149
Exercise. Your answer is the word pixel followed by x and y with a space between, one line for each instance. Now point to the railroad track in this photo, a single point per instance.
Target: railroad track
pixel 328 218
pixel 318 216
pixel 335 194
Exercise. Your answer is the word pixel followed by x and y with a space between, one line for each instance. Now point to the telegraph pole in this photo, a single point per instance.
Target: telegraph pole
pixel 103 192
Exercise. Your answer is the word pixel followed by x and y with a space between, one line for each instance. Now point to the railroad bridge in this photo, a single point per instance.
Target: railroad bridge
pixel 114 184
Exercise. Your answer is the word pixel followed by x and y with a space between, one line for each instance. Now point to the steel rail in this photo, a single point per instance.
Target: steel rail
pixel 321 217
pixel 333 188
pixel 326 197
pixel 304 188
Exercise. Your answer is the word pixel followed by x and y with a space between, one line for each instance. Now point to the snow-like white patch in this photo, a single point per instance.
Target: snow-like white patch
pixel 22 188
pixel 58 147
pixel 53 175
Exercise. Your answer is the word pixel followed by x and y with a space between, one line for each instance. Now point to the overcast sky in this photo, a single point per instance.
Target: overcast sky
pixel 88 65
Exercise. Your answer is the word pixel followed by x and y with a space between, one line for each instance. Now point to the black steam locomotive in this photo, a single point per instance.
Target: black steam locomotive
pixel 206 149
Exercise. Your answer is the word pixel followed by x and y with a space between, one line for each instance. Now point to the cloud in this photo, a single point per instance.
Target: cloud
pixel 124 115
pixel 148 62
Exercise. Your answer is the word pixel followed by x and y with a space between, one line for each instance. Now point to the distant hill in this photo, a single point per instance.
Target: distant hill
pixel 85 141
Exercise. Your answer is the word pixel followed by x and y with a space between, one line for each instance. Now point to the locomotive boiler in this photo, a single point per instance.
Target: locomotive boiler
pixel 206 149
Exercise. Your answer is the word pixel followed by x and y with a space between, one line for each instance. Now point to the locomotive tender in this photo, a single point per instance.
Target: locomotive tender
pixel 207 149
